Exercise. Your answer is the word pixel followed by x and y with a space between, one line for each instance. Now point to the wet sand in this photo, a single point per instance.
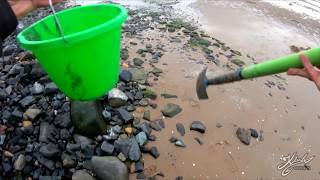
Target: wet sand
pixel 287 112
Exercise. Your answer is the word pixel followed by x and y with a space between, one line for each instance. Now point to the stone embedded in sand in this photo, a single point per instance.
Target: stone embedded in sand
pixel 219 125
pixel 150 94
pixel 170 110
pixel 138 62
pixel 244 135
pixel 180 143
pixel 154 152
pixel 198 126
pixel 168 96
pixel 147 115
pixel 109 168
pixel 139 75
pixel 117 98
pixel 238 62
pixel 254 133
pixel 125 76
pixel 236 52
pixel 180 129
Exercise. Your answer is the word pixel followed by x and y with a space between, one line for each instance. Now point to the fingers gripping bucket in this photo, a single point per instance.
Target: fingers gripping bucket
pixel 85 64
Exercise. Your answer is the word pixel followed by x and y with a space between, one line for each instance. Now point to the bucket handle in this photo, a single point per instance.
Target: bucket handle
pixel 57 22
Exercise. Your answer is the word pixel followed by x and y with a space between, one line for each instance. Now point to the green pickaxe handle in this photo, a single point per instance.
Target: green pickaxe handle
pixel 280 65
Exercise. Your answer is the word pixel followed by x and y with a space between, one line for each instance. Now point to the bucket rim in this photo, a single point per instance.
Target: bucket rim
pixel 74 37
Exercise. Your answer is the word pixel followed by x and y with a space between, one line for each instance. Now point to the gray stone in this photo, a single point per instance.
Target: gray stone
pixel 107 148
pixel 161 123
pixel 198 126
pixel 82 140
pixel 50 88
pixel 168 96
pixel 138 167
pixel 170 110
pixel 141 138
pixel 37 88
pixel 138 62
pixel 125 76
pixel 73 147
pixel 144 102
pixel 154 152
pixel 8 90
pixel 139 75
pixel 49 150
pixel 45 130
pixel 68 161
pixel 63 120
pixel 117 98
pixel 125 115
pixel 155 125
pixel 218 125
pixel 87 118
pixel 180 143
pixel 134 153
pixel 122 157
pixel 147 115
pixel 31 114
pixel 109 168
pixel 10 49
pixel 26 101
pixel 20 162
pixel 145 127
pixel 198 140
pixel 2 139
pixel 65 134
pixel 254 133
pixel 244 135
pixel 106 115
pixel 113 133
pixel 82 175
pixel 180 129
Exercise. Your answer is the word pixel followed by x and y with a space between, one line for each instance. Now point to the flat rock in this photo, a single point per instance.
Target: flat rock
pixel 82 175
pixel 170 110
pixel 155 125
pixel 49 150
pixel 139 75
pixel 107 148
pixel 117 98
pixel 109 168
pixel 180 129
pixel 150 94
pixel 31 114
pixel 46 130
pixel 141 138
pixel 198 126
pixel 27 101
pixel 82 140
pixel 254 133
pixel 244 135
pixel 145 127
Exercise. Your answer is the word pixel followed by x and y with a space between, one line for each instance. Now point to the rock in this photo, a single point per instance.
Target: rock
pixel 8 89
pixel 125 115
pixel 244 135
pixel 7 167
pixel 73 147
pixel 138 167
pixel 113 133
pixel 154 152
pixel 3 94
pixel 168 96
pixel 68 161
pixel 122 157
pixel 107 148
pixel 155 126
pixel 82 140
pixel 64 134
pixel 27 101
pixel 139 75
pixel 20 162
pixel 238 62
pixel 130 108
pixel 198 126
pixel 89 151
pixel 2 139
pixel 140 176
pixel 161 123
pixel 152 137
pixel 138 62
pixel 50 88
pixel 82 175
pixel 145 127
pixel 146 115
pixel 37 88
pixel 236 52
pixel 134 153
pixel 124 54
pixel 150 94
pixel 170 110
pixel 125 76
pixel 63 120
pixel 10 49
pixel 45 131
pixel 180 143
pixel 218 125
pixel 87 119
pixel 198 140
pixel 141 138
pixel 109 168
pixel 156 71
pixel 106 115
pixel 179 178
pixel 173 139
pixel 49 150
pixel 180 129
pixel 117 98
pixel 254 133
pixel 31 114
pixel 143 102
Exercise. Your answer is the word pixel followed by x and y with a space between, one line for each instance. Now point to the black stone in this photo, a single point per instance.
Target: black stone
pixel 82 140
pixel 50 88
pixel 180 129
pixel 198 126
pixel 63 120
pixel 125 115
pixel 254 133
pixel 154 152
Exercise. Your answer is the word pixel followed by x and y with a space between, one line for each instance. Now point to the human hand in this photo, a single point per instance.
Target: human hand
pixel 23 7
pixel 309 71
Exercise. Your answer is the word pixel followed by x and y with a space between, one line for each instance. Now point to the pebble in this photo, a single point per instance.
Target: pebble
pixel 138 167
pixel 141 138
pixel 27 101
pixel 82 140
pixel 147 115
pixel 107 148
pixel 20 162
pixel 31 114
pixel 154 152
pixel 37 88
pixel 49 150
pixel 244 135
pixel 117 98
pixel 180 129
pixel 218 125
pixel 109 168
pixel 125 115
pixel 198 140
pixel 254 133
pixel 50 88
pixel 171 110
pixel 138 62
pixel 125 76
pixel 180 143
pixel 122 157
pixel 198 126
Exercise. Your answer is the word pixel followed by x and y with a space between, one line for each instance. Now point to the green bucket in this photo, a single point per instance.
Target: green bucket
pixel 86 65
